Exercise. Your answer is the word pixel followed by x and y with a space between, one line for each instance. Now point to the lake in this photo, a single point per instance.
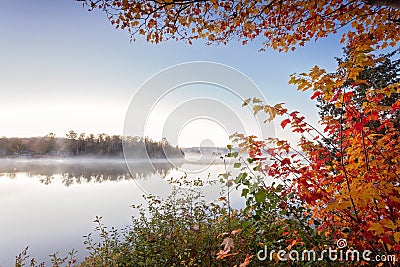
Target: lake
pixel 50 204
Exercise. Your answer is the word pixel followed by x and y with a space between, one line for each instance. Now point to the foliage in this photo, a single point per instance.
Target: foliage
pixel 283 24
pixel 278 217
pixel 344 181
pixel 182 230
pixel 385 72
pixel 347 176
pixel 55 260
pixel 179 231
pixel 348 185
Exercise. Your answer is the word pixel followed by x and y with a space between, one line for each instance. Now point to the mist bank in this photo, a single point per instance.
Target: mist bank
pixel 80 170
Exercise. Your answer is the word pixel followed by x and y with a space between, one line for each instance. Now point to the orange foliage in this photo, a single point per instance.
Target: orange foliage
pixel 352 184
pixel 283 24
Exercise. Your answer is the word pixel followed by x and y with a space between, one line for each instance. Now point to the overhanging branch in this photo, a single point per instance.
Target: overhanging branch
pixel 388 3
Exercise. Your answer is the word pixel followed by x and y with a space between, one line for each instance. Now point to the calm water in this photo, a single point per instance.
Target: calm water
pixel 49 205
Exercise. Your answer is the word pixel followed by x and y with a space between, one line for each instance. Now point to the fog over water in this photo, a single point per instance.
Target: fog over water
pixel 83 169
pixel 48 204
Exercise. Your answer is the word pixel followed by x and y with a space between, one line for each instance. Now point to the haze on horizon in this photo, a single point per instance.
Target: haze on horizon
pixel 72 70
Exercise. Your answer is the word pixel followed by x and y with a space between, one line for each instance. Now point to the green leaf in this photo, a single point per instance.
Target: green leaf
pixel 245 191
pixel 261 195
pixel 237 165
pixel 240 177
pixel 257 168
pixel 225 175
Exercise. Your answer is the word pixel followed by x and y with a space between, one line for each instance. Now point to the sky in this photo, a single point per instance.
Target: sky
pixel 63 68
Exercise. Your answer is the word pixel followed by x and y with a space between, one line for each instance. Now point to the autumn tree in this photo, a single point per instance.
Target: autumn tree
pixel 282 24
pixel 353 194
pixel 348 174
pixel 384 73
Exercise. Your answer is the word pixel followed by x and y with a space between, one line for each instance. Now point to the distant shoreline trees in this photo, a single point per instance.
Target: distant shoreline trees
pixel 75 144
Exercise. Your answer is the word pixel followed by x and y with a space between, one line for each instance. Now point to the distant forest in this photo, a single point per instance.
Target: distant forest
pixel 74 144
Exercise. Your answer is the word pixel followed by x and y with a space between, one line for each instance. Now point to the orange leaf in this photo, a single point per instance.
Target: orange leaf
pixel 285 233
pixel 234 232
pixel 358 82
pixel 347 97
pixel 247 260
pixel 223 254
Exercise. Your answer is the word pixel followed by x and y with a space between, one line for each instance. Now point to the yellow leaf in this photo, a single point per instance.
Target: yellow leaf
pixel 246 102
pixel 388 223
pixel 256 100
pixel 397 237
pixel 257 108
pixel 377 228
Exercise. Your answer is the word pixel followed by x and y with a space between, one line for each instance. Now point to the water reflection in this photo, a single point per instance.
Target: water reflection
pixel 79 171
pixel 40 216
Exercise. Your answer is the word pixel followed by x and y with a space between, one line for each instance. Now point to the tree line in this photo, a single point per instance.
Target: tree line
pixel 80 144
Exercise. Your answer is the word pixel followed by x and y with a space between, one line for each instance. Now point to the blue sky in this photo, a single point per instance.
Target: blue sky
pixel 64 68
